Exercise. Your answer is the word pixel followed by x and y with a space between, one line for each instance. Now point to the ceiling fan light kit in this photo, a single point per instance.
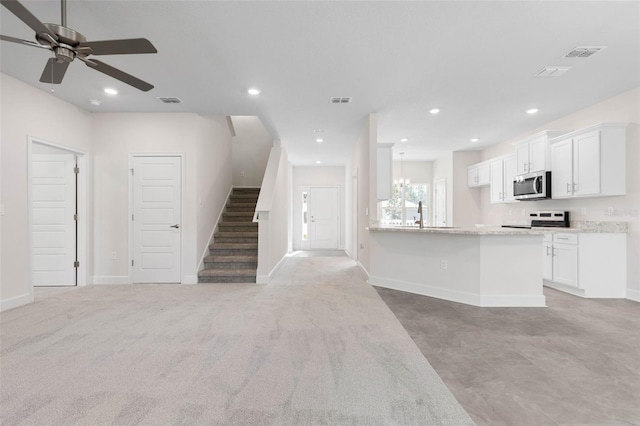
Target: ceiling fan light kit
pixel 68 44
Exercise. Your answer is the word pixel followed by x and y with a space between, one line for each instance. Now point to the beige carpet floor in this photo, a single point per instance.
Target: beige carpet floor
pixel 317 346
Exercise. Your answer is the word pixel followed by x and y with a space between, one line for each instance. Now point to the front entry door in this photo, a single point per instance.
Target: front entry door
pixel 157 219
pixel 323 218
pixel 53 226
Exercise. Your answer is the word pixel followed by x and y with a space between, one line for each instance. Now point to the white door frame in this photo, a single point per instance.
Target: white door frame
pixel 81 236
pixel 130 209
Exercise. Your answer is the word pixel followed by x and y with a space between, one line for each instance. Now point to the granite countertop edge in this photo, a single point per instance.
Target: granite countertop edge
pixel 576 227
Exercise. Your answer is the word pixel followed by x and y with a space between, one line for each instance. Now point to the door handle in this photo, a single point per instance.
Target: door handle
pixel 175 226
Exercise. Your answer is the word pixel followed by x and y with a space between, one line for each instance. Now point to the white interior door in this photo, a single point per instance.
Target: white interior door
pixel 440 195
pixel 157 219
pixel 53 227
pixel 323 218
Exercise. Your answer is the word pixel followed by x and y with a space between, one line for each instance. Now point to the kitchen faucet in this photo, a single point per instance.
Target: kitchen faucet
pixel 420 221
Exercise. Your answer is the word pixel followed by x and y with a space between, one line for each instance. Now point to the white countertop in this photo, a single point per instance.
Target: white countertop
pixel 576 227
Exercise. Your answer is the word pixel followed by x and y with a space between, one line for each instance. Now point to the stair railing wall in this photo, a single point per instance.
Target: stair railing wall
pixel 272 215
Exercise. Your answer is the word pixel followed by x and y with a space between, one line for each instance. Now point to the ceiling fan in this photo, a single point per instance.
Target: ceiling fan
pixel 68 44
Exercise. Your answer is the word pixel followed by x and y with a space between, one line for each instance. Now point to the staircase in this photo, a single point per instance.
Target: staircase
pixel 233 255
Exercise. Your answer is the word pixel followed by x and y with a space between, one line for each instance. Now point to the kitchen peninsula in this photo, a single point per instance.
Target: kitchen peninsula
pixel 488 267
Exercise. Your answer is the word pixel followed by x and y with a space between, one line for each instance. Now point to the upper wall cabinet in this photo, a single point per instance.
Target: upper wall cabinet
pixel 532 154
pixel 479 174
pixel 503 172
pixel 385 171
pixel 589 162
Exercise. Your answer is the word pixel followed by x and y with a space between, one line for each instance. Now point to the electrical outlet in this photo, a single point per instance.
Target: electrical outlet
pixel 611 211
pixel 361 245
pixel 443 264
pixel 242 173
pixel 114 255
pixel 584 211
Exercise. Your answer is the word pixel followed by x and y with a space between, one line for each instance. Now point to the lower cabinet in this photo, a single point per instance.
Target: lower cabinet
pixel 561 259
pixel 585 264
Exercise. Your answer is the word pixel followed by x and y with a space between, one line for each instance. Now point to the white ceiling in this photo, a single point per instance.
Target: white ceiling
pixel 473 60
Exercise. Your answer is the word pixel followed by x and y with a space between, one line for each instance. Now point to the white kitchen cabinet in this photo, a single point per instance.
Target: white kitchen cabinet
pixel 589 162
pixel 385 171
pixel 590 265
pixel 502 175
pixel 532 153
pixel 560 262
pixel 479 174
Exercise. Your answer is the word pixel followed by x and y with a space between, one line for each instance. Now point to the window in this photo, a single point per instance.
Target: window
pixel 402 208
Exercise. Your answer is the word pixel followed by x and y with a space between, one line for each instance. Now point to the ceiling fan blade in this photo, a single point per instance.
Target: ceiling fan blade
pixel 27 17
pixel 21 41
pixel 118 75
pixel 54 71
pixel 119 47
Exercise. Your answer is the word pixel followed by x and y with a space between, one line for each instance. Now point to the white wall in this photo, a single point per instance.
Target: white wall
pixel 251 147
pixel 361 164
pixel 416 171
pixel 205 144
pixel 214 175
pixel 27 111
pixel 621 108
pixel 273 210
pixel 317 176
pixel 466 201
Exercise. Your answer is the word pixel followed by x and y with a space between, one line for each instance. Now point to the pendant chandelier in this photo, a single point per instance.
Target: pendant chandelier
pixel 401 181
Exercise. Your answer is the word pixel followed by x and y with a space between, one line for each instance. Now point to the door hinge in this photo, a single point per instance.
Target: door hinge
pixel 131 262
pixel 76 264
pixel 131 217
pixel 131 172
pixel 75 217
pixel 76 169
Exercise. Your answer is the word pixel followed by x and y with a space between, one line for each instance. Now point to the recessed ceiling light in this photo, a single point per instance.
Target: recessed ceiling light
pixel 95 102
pixel 532 111
pixel 319 140
pixel 434 110
pixel 110 91
pixel 253 91
pixel 318 162
pixel 404 140
pixel 475 140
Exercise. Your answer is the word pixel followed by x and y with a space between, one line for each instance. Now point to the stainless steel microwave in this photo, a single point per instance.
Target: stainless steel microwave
pixel 532 186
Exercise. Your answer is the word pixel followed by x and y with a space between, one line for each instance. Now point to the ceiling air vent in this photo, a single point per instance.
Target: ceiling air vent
pixel 170 100
pixel 339 100
pixel 552 71
pixel 584 51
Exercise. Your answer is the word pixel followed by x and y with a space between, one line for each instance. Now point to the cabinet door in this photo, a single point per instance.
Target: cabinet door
pixel 497 181
pixel 547 261
pixel 472 176
pixel 538 154
pixel 509 170
pixel 565 264
pixel 522 159
pixel 484 174
pixel 586 164
pixel 562 169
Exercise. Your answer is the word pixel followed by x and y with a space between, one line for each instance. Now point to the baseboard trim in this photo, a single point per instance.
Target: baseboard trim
pixel 190 279
pixel 364 270
pixel 213 231
pixel 15 302
pixel 633 294
pixel 266 279
pixel 348 253
pixel 108 280
pixel 485 301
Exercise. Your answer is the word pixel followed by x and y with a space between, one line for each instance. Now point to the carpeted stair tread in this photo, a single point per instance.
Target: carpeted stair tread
pixel 236 272
pixel 235 234
pixel 229 246
pixel 244 258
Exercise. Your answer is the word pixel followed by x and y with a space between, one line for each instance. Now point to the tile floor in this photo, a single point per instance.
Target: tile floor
pixel 575 362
